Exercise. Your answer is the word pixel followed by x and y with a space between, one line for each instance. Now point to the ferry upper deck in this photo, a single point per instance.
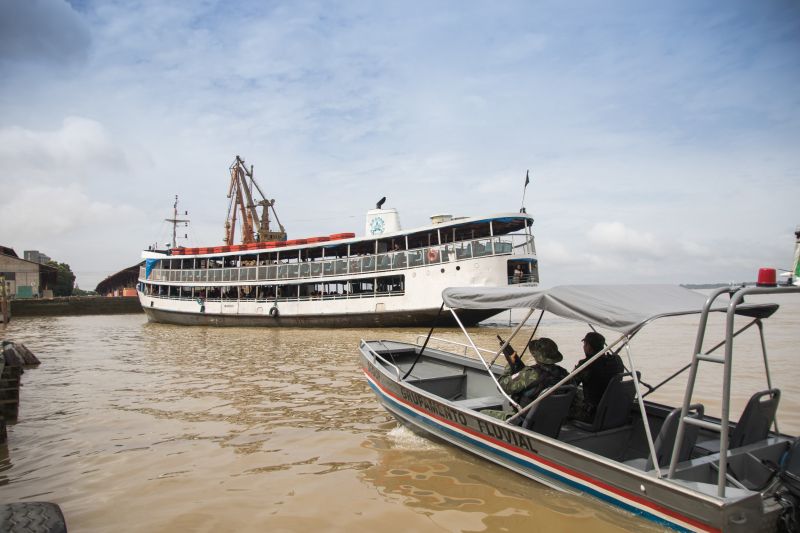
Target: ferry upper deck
pixel 345 255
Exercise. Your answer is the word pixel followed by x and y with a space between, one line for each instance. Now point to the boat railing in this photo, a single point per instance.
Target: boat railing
pixel 723 426
pixel 466 347
pixel 380 357
pixel 383 262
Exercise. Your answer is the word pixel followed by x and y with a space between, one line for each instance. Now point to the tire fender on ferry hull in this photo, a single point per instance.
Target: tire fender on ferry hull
pixel 273 312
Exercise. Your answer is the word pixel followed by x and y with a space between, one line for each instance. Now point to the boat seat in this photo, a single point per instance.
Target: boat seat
pixel 548 415
pixel 614 408
pixel 753 425
pixel 447 387
pixel 665 441
pixel 482 402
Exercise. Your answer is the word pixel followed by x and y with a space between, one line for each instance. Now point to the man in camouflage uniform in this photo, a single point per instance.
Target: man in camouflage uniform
pixel 525 385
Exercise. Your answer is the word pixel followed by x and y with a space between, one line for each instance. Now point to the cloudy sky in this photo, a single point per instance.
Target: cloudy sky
pixel 662 138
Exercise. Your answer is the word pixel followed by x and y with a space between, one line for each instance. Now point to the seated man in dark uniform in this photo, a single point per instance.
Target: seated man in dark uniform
pixel 524 383
pixel 594 379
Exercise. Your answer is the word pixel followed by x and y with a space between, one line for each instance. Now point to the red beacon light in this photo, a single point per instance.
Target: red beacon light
pixel 767 277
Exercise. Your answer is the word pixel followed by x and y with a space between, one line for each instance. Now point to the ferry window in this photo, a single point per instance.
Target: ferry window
pixel 472 231
pixel 247 292
pixel 362 286
pixel 391 284
pixel 335 252
pixel 419 240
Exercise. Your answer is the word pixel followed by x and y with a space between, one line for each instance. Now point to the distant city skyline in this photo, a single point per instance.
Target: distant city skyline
pixel 661 138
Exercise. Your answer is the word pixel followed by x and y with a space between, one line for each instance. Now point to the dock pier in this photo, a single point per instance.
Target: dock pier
pixel 13 360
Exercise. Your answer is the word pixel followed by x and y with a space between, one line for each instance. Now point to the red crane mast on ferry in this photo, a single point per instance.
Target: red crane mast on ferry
pixel 255 227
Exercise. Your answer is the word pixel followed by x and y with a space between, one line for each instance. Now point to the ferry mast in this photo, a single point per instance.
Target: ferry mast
pixel 175 221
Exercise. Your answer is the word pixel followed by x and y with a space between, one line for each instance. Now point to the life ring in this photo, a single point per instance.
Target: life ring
pixel 433 255
pixel 273 312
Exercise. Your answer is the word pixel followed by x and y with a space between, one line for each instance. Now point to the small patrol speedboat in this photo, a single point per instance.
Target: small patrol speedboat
pixel 674 465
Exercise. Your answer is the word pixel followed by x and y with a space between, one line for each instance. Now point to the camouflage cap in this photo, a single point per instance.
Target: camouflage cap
pixel 545 351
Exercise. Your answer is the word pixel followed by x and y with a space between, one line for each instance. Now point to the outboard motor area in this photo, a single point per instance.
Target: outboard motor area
pixel 788 494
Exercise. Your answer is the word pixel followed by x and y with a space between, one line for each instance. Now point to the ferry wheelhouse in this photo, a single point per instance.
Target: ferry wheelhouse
pixel 388 277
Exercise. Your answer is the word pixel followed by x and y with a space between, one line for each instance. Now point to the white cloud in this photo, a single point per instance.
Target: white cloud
pixel 95 238
pixel 618 239
pixel 77 151
pixel 556 254
pixel 50 212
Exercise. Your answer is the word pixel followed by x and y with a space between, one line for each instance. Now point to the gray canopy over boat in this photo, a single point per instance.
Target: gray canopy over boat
pixel 622 308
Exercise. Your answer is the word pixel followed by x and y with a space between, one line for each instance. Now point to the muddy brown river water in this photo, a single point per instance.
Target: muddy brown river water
pixel 133 426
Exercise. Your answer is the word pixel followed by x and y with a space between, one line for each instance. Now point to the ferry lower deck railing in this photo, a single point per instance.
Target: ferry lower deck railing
pixel 272 299
pixel 523 280
pixel 341 266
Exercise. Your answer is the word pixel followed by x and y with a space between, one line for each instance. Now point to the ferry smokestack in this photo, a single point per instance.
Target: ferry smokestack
pixel 380 203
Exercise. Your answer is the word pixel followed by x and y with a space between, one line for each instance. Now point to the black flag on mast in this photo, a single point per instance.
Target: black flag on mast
pixel 524 190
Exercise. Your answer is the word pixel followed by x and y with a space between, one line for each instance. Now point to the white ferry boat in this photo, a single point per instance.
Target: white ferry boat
pixel 388 277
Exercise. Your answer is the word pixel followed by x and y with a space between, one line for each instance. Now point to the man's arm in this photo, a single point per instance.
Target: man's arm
pixel 514 383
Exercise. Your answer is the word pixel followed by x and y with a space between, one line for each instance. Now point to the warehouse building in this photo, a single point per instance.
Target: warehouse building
pixel 24 278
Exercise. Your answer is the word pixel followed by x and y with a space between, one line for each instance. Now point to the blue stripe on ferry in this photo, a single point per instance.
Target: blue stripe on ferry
pixel 493 448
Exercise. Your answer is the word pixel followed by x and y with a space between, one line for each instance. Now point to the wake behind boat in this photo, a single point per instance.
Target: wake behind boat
pixel 387 277
pixel 669 469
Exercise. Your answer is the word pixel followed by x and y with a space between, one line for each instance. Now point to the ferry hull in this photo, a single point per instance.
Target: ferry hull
pixel 397 319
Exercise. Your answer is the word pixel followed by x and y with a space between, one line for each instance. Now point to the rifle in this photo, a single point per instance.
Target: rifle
pixel 508 352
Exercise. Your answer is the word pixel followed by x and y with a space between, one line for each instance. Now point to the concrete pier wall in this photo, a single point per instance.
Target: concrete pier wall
pixel 76 305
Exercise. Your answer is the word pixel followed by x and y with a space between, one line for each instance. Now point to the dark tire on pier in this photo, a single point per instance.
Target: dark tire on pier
pixel 32 517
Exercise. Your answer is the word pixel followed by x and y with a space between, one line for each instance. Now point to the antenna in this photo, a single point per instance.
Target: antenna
pixel 175 221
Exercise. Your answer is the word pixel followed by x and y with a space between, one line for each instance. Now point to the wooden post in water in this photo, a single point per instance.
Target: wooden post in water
pixel 5 310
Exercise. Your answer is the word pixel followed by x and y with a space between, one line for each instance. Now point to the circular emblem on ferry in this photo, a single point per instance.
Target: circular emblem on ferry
pixel 377 225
